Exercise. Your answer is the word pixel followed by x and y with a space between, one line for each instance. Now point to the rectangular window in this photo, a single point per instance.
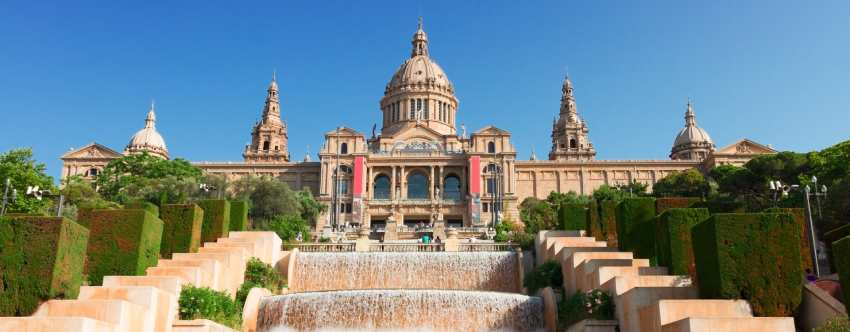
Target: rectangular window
pixel 485 207
pixel 412 113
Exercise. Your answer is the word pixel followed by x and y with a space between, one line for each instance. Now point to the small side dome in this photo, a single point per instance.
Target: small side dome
pixel 148 139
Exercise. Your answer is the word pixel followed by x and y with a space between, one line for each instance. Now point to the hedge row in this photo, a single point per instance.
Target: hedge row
pixel 123 242
pixel 635 217
pixel 664 203
pixel 181 228
pixel 41 258
pixel 803 231
pixel 608 221
pixel 752 256
pixel 144 205
pixel 834 235
pixel 238 215
pixel 842 265
pixel 573 217
pixel 673 239
pixel 216 219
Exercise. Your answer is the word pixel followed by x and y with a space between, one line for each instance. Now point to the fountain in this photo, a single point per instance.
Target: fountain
pixel 410 310
pixel 482 271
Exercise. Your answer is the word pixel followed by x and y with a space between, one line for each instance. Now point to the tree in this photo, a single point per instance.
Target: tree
pixel 81 193
pixel 269 197
pixel 689 183
pixel 537 215
pixel 287 227
pixel 310 208
pixel 142 176
pixel 608 193
pixel 22 170
pixel 557 199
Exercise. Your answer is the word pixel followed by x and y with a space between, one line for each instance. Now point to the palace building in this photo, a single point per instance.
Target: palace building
pixel 422 168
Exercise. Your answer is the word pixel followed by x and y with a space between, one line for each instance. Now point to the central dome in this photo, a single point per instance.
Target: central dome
pixel 148 139
pixel 419 71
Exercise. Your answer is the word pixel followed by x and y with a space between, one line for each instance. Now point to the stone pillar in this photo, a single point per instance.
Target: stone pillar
pixel 403 180
pixel 362 242
pixel 393 185
pixel 441 184
pixel 452 243
pixel 431 184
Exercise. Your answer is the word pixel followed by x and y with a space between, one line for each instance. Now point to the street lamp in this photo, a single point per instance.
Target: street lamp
pixel 780 189
pixel 6 196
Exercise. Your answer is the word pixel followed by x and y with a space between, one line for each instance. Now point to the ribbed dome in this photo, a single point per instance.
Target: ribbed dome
pixel 420 70
pixel 692 135
pixel 148 139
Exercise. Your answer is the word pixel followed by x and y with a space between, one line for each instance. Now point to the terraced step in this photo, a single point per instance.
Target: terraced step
pixel 189 275
pixel 54 324
pixel 210 269
pixel 741 324
pixel 126 316
pixel 663 312
pixel 160 306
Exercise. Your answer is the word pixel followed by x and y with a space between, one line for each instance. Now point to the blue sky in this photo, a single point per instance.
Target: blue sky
pixel 777 72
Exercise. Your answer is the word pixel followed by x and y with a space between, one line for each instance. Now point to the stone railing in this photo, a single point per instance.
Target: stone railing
pixel 487 246
pixel 406 247
pixel 319 247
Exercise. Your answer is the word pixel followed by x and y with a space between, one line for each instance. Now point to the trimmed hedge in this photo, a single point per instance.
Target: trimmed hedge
pixel 830 237
pixel 751 256
pixel 123 242
pixel 673 239
pixel 664 203
pixel 144 205
pixel 216 219
pixel 635 230
pixel 238 215
pixel 842 264
pixel 181 230
pixel 803 231
pixel 41 258
pixel 608 220
pixel 723 205
pixel 594 225
pixel 572 217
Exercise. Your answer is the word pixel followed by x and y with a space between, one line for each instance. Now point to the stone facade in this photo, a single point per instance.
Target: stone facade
pixel 420 170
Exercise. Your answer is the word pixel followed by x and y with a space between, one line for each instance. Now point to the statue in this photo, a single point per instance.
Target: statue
pixel 463 131
pixel 373 129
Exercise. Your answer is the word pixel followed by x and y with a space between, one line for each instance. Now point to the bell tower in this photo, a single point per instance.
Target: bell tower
pixel 570 139
pixel 269 138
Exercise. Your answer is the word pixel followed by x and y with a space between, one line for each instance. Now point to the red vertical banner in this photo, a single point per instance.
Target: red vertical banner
pixel 357 191
pixel 475 190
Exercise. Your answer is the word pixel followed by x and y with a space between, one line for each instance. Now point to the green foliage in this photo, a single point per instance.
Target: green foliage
pixel 80 193
pixel 557 199
pixel 144 205
pixel 834 235
pixel 261 275
pixel 609 193
pixel 286 227
pixel 842 264
pixel 593 304
pixel 608 222
pixel 269 197
pixel 181 228
pixel 145 177
pixel 309 207
pixel 19 167
pixel 834 324
pixel 689 183
pixel 673 239
pixel 635 217
pixel 511 231
pixel 41 258
pixel 205 303
pixel 573 216
pixel 216 219
pixel 721 204
pixel 537 215
pixel 547 274
pixel 594 222
pixel 802 232
pixel 122 242
pixel 664 203
pixel 752 256
pixel 238 215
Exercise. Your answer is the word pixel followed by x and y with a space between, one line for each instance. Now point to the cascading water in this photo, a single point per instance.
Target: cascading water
pixel 410 310
pixel 485 271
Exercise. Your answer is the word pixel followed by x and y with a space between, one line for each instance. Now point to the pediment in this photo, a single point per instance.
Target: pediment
pixel 417 131
pixel 343 131
pixel 491 130
pixel 745 146
pixel 92 151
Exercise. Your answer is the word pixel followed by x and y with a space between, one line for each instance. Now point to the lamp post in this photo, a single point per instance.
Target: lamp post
pixel 5 196
pixel 781 190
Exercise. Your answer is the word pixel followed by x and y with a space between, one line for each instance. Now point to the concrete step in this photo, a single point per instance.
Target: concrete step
pixel 160 306
pixel 55 324
pixel 654 271
pixel 229 280
pixel 655 315
pixel 189 275
pixel 270 243
pixel 235 266
pixel 170 285
pixel 257 245
pixel 126 316
pixel 200 325
pixel 556 247
pixel 585 271
pixel 210 269
pixel 571 263
pixel 627 305
pixel 740 324
pixel 618 285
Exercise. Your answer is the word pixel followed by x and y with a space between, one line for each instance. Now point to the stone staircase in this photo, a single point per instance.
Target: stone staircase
pixel 645 298
pixel 149 303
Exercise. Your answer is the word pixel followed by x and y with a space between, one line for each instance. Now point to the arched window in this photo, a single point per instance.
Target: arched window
pixel 344 179
pixel 451 186
pixel 343 148
pixel 412 113
pixel 573 144
pixel 417 186
pixel 381 187
pixel 491 147
pixel 266 146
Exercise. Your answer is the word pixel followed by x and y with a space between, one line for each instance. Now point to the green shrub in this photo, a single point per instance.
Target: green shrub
pixel 673 239
pixel 594 226
pixel 144 205
pixel 842 264
pixel 721 204
pixel 572 216
pixel 286 227
pixel 181 228
pixel 664 203
pixel 593 304
pixel 258 274
pixel 216 219
pixel 205 303
pixel 238 216
pixel 122 242
pixel 41 258
pixel 547 274
pixel 830 237
pixel 608 222
pixel 803 232
pixel 834 324
pixel 751 256
pixel 635 230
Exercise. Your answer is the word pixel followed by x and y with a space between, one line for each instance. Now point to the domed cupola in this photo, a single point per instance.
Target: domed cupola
pixel 419 92
pixel 692 142
pixel 148 139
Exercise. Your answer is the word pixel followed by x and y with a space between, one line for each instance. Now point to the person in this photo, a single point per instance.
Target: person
pixel 437 240
pixel 426 239
pixel 299 237
pixel 810 277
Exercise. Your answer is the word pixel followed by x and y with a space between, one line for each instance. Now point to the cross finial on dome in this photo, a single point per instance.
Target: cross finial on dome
pixel 420 41
pixel 274 75
pixel 420 23
pixel 150 119
pixel 690 117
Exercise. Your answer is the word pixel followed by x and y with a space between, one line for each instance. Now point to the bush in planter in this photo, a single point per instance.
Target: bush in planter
pixel 547 274
pixel 258 274
pixel 216 219
pixel 205 303
pixel 842 264
pixel 238 216
pixel 635 230
pixel 572 216
pixel 122 242
pixel 181 228
pixel 802 224
pixel 608 222
pixel 664 203
pixel 673 239
pixel 834 324
pixel 593 304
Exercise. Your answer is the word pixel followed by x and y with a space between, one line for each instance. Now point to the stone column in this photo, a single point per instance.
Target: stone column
pixel 441 184
pixel 392 185
pixel 403 180
pixel 431 184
